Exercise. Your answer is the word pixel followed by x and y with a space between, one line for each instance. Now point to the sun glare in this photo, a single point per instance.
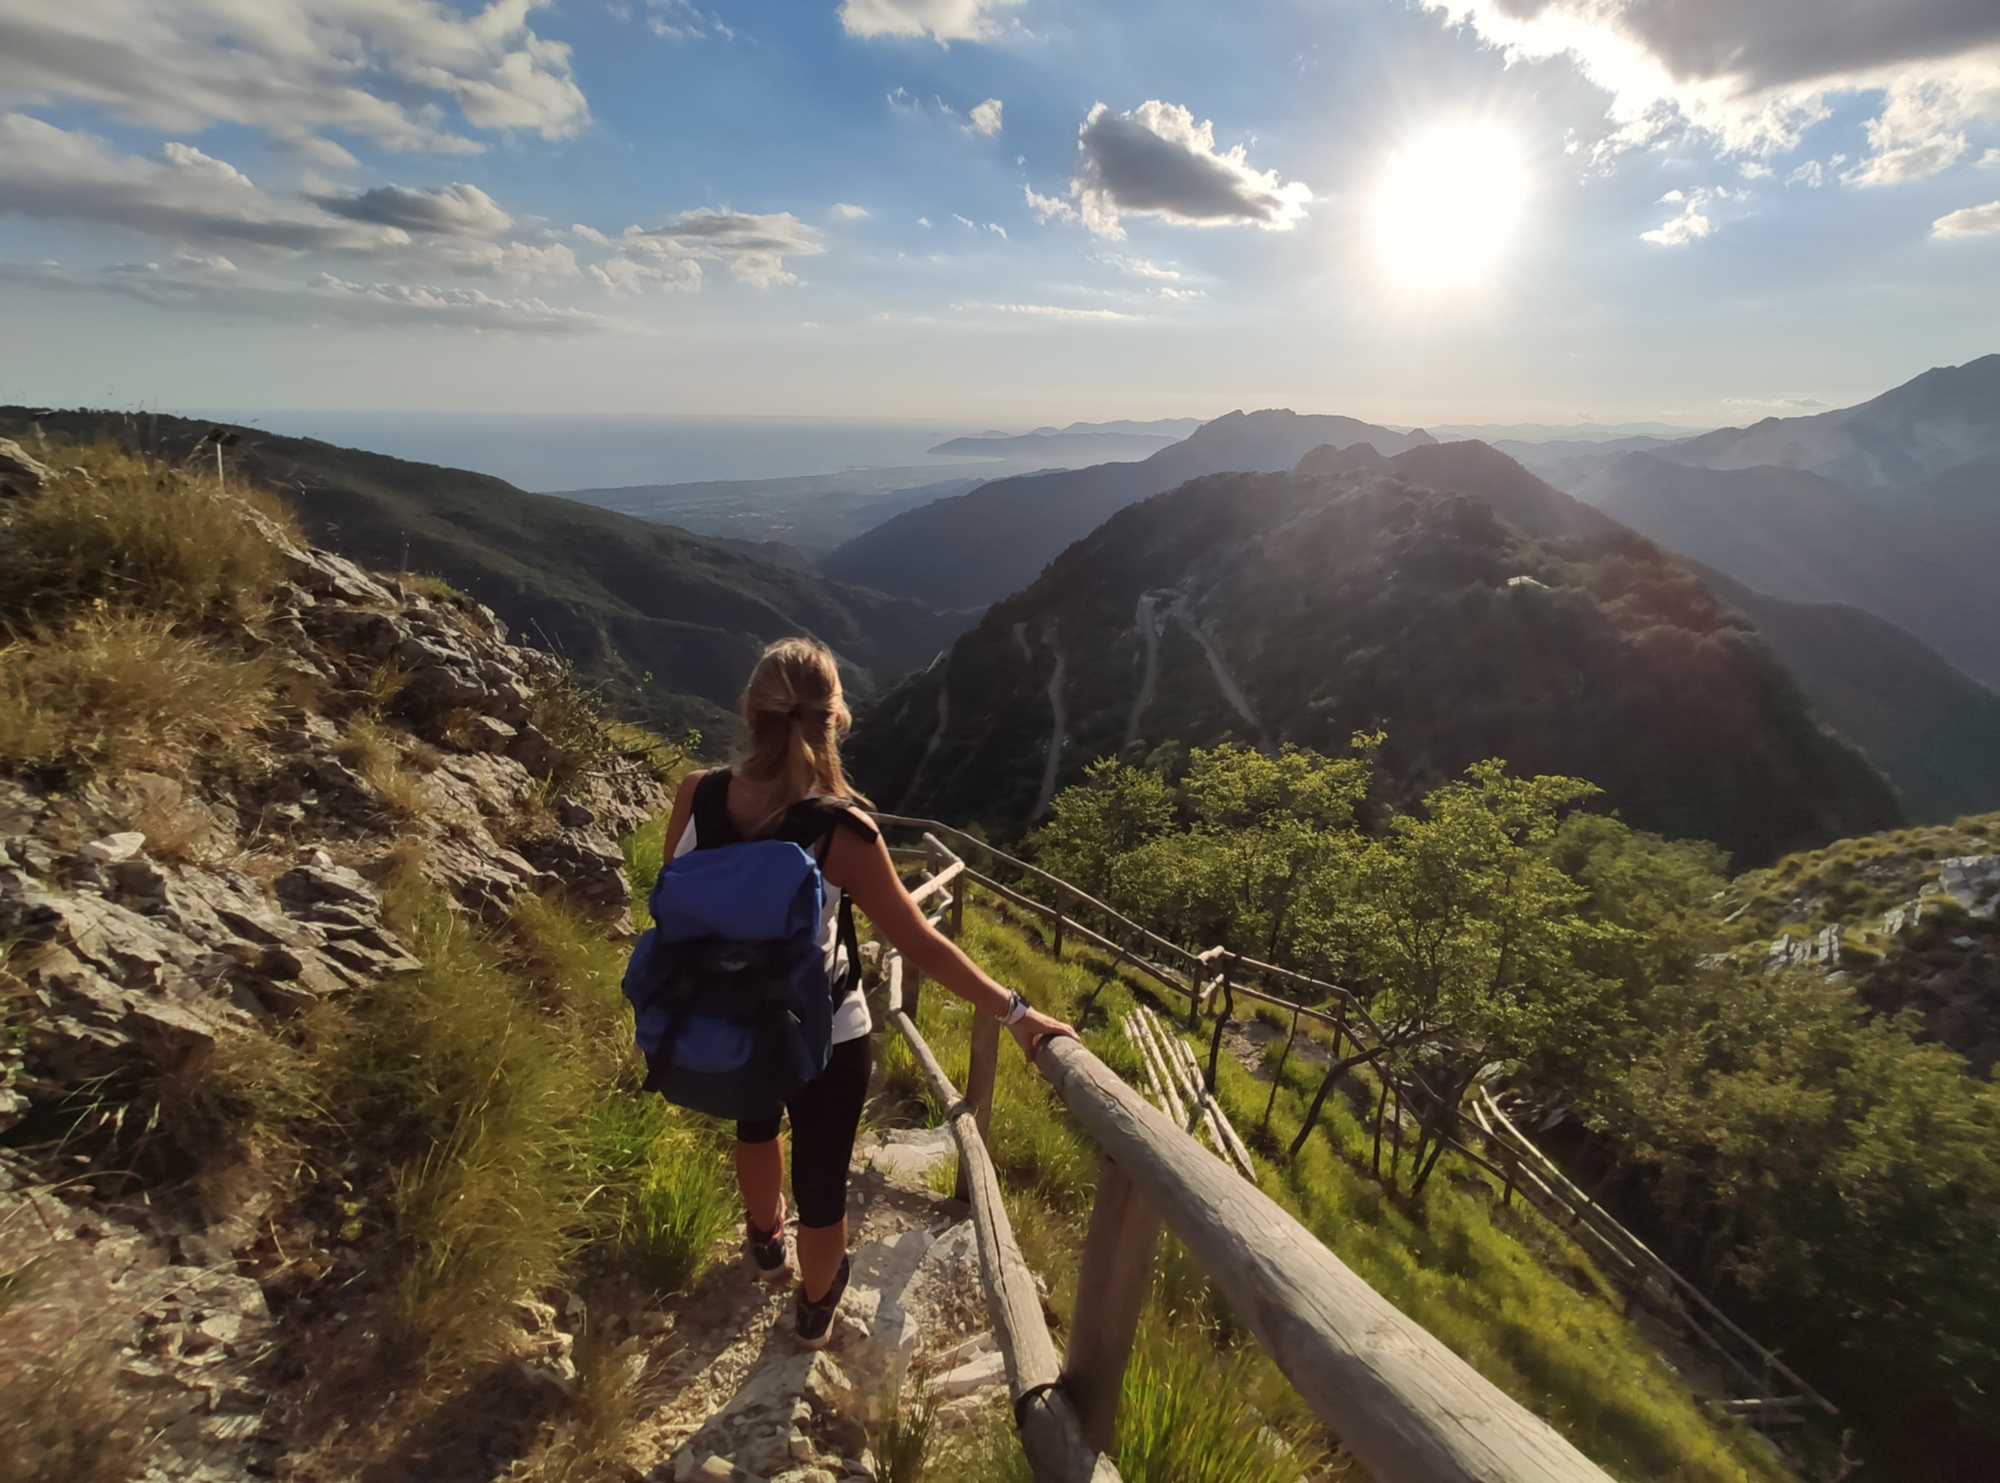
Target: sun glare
pixel 1448 206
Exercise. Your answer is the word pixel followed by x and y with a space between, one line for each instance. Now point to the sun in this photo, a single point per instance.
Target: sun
pixel 1449 204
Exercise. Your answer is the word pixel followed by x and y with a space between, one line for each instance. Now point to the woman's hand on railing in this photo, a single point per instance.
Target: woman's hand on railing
pixel 1034 1028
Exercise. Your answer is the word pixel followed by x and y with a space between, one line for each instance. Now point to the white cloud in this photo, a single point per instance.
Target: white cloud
pixel 683 20
pixel 942 20
pixel 753 248
pixel 1753 75
pixel 298 70
pixel 994 226
pixel 985 117
pixel 1042 311
pixel 965 221
pixel 1971 221
pixel 192 200
pixel 1693 222
pixel 1157 161
pixel 216 285
pixel 1048 208
pixel 846 212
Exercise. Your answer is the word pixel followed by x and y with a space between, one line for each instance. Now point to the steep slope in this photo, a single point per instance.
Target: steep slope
pixel 1448 597
pixel 1934 730
pixel 1948 416
pixel 1922 555
pixel 669 622
pixel 975 549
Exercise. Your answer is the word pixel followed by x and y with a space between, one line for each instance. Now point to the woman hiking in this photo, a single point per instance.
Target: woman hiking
pixel 790 787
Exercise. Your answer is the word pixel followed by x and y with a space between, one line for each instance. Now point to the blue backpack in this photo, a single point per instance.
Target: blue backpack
pixel 731 996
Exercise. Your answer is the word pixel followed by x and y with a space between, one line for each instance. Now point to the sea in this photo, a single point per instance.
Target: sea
pixel 552 452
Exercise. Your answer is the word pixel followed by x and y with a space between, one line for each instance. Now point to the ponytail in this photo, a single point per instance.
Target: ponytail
pixel 796 715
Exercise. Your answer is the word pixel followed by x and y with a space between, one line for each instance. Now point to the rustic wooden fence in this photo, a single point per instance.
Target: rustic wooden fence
pixel 1404 1404
pixel 1771 1394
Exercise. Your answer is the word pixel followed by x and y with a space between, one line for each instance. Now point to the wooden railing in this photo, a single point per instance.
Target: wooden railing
pixel 1773 1391
pixel 1404 1404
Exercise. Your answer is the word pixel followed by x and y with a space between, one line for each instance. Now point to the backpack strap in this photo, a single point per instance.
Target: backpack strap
pixel 710 811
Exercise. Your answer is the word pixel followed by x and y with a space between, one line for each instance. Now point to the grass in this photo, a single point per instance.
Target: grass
pixel 124 533
pixel 111 691
pixel 1497 1285
pixel 904 1440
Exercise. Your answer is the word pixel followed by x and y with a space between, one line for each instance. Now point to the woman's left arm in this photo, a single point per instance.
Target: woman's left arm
pixel 861 867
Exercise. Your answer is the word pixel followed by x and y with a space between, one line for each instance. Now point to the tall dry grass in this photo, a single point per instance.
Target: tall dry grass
pixel 116 690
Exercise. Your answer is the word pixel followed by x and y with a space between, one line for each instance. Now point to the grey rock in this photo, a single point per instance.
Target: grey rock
pixel 490 734
pixel 113 848
pixel 319 881
pixel 589 866
pixel 21 474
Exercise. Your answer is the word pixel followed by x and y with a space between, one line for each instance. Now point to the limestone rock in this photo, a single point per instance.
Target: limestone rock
pixel 21 474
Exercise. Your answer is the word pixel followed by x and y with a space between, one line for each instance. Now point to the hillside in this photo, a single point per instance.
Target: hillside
pixel 1892 506
pixel 1921 556
pixel 1950 415
pixel 666 621
pixel 1449 598
pixel 977 548
pixel 1932 729
pixel 1911 919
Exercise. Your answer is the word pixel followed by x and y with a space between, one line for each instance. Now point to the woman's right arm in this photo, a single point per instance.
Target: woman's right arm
pixel 862 868
pixel 677 821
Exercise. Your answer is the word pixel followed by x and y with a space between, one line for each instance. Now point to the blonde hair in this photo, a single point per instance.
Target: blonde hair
pixel 796 715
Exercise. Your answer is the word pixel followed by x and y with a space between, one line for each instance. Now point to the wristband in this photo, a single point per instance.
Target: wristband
pixel 1017 1009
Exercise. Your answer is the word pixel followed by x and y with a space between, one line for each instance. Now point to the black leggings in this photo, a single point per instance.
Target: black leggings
pixel 825 1116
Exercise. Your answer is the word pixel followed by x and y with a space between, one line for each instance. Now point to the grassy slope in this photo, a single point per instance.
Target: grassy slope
pixel 668 620
pixel 1500 1286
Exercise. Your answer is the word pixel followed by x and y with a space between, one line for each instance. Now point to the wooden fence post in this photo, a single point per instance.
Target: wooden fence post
pixel 1278 1076
pixel 1056 947
pixel 982 1067
pixel 1111 1290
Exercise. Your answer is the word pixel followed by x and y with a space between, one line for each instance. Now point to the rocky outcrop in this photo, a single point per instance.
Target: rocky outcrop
pixel 151 922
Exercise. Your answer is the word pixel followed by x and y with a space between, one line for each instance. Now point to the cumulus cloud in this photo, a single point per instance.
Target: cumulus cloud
pixel 754 248
pixel 944 21
pixel 1693 221
pixel 846 211
pixel 1754 74
pixel 1157 161
pixel 1972 221
pixel 216 284
pixel 985 117
pixel 299 70
pixel 192 200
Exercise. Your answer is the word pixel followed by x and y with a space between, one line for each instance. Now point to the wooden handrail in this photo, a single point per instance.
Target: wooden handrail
pixel 1051 1434
pixel 1418 1426
pixel 1402 1402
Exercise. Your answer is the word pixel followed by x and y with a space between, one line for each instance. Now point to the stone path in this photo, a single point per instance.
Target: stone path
pixel 740 1401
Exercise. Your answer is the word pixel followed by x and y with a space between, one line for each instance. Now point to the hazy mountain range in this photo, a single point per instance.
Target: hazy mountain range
pixel 1446 595
pixel 1892 506
pixel 977 548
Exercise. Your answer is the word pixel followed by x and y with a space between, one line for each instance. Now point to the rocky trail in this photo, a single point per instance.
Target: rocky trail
pixel 735 1398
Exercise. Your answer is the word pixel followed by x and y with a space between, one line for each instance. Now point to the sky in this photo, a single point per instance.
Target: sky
pixel 997 212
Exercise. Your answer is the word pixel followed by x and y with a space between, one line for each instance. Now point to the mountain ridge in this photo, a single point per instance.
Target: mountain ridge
pixel 1303 607
pixel 977 548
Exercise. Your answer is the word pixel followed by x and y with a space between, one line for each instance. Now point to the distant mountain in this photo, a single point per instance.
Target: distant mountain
pixel 1444 594
pixel 975 549
pixel 1934 730
pixel 1946 417
pixel 1924 556
pixel 668 622
pixel 1065 448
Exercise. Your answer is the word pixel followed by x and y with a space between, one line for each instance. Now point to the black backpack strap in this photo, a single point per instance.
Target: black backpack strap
pixel 710 811
pixel 850 944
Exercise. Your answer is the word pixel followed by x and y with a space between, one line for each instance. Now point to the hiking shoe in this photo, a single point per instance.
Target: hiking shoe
pixel 766 1250
pixel 815 1320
